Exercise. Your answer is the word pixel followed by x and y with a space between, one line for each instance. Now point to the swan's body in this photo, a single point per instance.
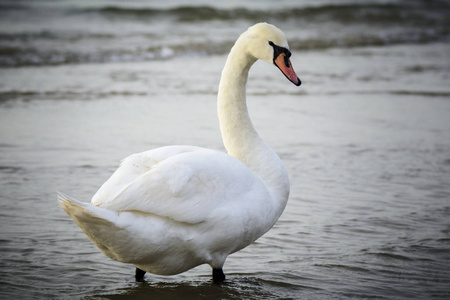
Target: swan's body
pixel 173 208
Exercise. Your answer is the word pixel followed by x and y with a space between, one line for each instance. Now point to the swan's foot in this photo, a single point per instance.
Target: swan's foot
pixel 139 275
pixel 218 275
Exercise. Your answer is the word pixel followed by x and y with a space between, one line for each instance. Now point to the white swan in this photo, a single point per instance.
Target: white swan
pixel 173 208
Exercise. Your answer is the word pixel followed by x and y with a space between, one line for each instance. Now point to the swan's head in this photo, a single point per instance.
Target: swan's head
pixel 267 42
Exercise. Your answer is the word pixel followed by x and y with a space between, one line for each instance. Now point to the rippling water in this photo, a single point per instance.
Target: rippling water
pixel 366 140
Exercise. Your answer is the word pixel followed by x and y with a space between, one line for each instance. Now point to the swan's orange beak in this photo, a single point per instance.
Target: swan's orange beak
pixel 284 64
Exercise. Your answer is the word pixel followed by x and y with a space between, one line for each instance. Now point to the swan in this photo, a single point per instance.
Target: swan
pixel 171 209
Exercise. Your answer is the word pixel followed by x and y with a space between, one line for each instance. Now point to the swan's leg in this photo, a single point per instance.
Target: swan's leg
pixel 139 275
pixel 218 275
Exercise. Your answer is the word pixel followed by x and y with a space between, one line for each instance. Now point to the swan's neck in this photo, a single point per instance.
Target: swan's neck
pixel 239 136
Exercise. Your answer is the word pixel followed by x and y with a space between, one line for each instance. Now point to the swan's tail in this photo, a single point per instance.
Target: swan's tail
pixel 97 223
pixel 70 205
pixel 85 212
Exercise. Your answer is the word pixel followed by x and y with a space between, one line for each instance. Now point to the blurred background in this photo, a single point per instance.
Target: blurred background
pixel 40 33
pixel 366 141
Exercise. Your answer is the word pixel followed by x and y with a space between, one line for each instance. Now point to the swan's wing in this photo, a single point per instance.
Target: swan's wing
pixel 186 186
pixel 134 166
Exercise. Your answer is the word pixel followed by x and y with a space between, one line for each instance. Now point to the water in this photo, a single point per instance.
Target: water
pixel 366 140
pixel 52 33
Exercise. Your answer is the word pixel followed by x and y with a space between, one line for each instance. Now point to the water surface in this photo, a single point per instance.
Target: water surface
pixel 366 141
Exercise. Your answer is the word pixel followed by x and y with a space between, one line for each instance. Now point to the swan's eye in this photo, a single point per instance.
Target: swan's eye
pixel 277 50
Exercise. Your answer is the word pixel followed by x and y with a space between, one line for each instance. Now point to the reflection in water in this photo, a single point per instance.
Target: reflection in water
pixel 242 287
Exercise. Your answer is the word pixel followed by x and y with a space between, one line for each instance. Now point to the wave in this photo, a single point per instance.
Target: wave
pixel 97 35
pixel 18 57
pixel 411 12
pixel 11 56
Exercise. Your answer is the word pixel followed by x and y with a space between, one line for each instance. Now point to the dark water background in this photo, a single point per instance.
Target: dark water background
pixel 366 140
